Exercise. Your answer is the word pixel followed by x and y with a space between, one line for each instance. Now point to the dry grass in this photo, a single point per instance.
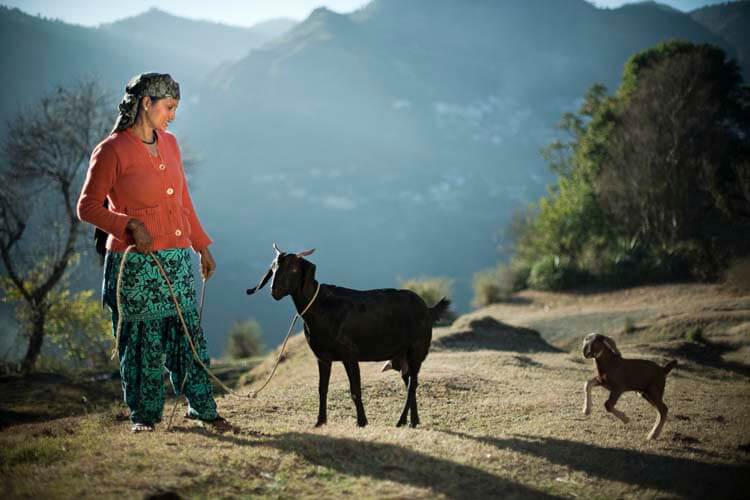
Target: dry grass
pixel 495 423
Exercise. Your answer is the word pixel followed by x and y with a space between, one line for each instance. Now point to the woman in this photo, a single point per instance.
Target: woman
pixel 135 191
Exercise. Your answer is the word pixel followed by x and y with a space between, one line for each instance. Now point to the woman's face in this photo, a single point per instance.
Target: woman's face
pixel 160 112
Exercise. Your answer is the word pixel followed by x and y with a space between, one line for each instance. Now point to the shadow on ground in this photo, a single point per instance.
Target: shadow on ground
pixel 704 353
pixel 680 476
pixel 488 333
pixel 388 462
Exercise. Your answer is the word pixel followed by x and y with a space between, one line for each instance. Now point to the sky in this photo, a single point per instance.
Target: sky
pixel 234 12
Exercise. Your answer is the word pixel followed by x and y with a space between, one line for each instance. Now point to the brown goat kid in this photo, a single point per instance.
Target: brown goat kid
pixel 618 375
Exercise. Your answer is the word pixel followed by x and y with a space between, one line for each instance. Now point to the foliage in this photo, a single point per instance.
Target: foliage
pixel 431 289
pixel 75 322
pixel 487 288
pixel 245 340
pixel 498 284
pixel 653 180
pixel 44 153
pixel 553 273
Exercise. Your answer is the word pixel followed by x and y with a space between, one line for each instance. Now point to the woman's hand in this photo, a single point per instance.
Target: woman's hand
pixel 208 264
pixel 143 242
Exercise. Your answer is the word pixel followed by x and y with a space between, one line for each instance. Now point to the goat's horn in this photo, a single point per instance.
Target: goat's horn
pixel 278 252
pixel 306 253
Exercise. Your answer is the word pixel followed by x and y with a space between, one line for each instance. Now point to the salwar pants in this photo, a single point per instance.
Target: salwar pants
pixel 152 337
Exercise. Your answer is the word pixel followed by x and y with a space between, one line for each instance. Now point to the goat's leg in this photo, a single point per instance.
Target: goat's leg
pixel 660 420
pixel 407 404
pixel 355 388
pixel 324 376
pixel 609 405
pixel 594 382
pixel 414 415
pixel 414 373
pixel 657 402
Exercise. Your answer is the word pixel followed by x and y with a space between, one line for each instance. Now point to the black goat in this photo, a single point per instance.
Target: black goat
pixel 351 326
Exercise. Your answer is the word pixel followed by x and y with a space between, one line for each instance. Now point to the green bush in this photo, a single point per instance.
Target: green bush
pixel 245 340
pixel 431 289
pixel 497 285
pixel 518 274
pixel 553 273
pixel 487 288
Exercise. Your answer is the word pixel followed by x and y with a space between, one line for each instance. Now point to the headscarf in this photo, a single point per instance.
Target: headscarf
pixel 159 85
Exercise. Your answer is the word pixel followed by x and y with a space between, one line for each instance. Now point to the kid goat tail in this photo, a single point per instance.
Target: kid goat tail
pixel 668 367
pixel 437 311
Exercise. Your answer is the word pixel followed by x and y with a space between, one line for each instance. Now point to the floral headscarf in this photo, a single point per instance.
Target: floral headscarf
pixel 160 85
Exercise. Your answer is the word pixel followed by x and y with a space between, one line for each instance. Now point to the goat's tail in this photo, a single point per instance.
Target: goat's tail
pixel 437 311
pixel 668 367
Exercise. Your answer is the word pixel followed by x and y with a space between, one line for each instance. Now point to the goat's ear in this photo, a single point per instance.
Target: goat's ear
pixel 610 344
pixel 306 253
pixel 262 283
pixel 308 273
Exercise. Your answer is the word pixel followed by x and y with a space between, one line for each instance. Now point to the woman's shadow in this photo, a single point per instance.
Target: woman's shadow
pixel 389 462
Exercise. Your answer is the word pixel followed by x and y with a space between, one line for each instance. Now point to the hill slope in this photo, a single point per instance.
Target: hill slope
pixel 207 42
pixel 495 423
pixel 730 21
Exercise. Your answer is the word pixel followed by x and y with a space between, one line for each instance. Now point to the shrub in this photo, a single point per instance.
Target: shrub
pixel 553 273
pixel 518 273
pixel 487 288
pixel 245 340
pixel 432 289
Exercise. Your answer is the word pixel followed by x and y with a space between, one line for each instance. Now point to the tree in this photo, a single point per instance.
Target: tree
pixel 245 340
pixel 75 322
pixel 44 154
pixel 676 153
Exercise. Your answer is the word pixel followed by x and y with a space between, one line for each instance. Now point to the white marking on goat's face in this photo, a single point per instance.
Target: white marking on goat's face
pixel 285 268
pixel 587 341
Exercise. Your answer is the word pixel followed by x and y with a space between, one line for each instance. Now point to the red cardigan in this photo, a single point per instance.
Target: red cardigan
pixel 137 185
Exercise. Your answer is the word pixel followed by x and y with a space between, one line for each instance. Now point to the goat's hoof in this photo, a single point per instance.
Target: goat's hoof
pixel 587 411
pixel 625 420
pixel 401 423
pixel 414 425
pixel 362 423
pixel 320 423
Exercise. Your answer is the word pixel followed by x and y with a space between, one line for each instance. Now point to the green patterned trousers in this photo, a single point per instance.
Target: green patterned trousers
pixel 152 336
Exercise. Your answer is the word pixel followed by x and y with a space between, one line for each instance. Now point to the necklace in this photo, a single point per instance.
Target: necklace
pixel 152 140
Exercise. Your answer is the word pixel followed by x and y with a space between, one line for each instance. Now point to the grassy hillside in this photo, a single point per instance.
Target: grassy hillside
pixel 495 422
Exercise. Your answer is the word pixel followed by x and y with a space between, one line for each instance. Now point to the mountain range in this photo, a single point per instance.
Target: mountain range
pixel 397 139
